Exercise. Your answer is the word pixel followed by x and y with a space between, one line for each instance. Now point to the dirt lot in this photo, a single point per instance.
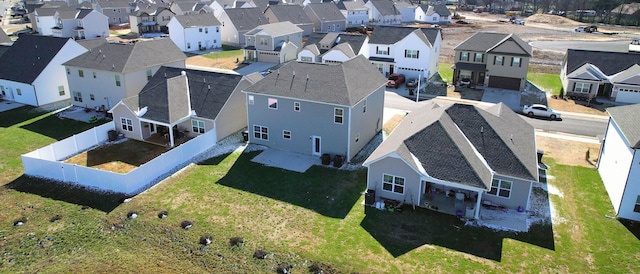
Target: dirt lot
pixel 568 152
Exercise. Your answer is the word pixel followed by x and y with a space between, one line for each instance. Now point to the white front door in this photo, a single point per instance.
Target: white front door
pixel 315 146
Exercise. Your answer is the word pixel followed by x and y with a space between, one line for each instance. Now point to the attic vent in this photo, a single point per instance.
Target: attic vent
pixel 36 46
pixel 209 87
pixel 104 56
pixel 113 66
pixel 100 51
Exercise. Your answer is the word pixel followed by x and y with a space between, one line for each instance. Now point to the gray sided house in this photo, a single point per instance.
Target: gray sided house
pixel 317 109
pixel 117 10
pixel 497 60
pixel 273 43
pixel 441 151
pixel 292 13
pixel 326 17
pixel 588 74
pixel 190 102
pixel 238 21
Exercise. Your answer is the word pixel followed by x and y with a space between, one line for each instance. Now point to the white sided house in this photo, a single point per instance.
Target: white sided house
pixel 619 161
pixel 81 24
pixel 413 52
pixel 195 32
pixel 317 109
pixel 438 14
pixel 383 13
pixel 333 47
pixel 238 21
pixel 179 103
pixel 455 159
pixel 111 72
pixel 273 43
pixel 31 71
pixel 356 13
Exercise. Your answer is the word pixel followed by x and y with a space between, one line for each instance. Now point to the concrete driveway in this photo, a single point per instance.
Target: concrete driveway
pixel 255 67
pixel 511 98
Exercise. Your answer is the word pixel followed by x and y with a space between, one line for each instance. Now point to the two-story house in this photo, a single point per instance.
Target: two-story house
pixel 292 13
pixel 111 72
pixel 588 74
pixel 326 17
pixel 80 24
pixel 238 21
pixel 333 47
pixel 433 14
pixel 497 60
pixel 195 32
pixel 317 109
pixel 356 13
pixel 150 19
pixel 44 20
pixel 189 7
pixel 116 10
pixel 273 43
pixel 413 52
pixel 407 11
pixel 31 70
pixel 383 12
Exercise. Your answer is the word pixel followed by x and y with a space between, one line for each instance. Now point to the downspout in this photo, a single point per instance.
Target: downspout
pixel 35 94
pixel 349 136
pixel 477 213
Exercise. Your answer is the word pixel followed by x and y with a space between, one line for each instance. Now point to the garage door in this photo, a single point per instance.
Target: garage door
pixel 504 82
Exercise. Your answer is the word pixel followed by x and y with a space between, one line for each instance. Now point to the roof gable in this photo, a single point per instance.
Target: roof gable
pixel 629 76
pixel 389 35
pixel 495 43
pixel 326 11
pixel 29 56
pixel 244 19
pixel 292 13
pixel 385 7
pixel 626 118
pixel 4 38
pixel 608 62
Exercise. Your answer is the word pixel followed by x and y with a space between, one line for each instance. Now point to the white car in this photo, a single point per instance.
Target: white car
pixel 541 111
pixel 518 22
pixel 580 29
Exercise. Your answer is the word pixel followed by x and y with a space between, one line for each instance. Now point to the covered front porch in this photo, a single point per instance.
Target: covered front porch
pixel 467 72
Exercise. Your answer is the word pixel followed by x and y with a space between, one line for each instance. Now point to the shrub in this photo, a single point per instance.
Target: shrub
pixel 206 239
pixel 259 254
pixel 55 218
pixel 186 224
pixel 163 214
pixel 236 241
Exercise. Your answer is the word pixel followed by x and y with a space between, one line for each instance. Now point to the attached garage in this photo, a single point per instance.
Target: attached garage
pixel 504 82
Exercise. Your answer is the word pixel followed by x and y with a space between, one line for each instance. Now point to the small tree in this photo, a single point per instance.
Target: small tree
pixel 561 96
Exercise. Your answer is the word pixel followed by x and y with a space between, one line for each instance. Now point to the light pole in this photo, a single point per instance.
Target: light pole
pixel 419 78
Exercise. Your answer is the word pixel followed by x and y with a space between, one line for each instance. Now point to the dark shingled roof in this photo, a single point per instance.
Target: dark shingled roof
pixel 292 13
pixel 385 7
pixel 608 62
pixel 197 20
pixel 464 144
pixel 389 35
pixel 246 19
pixel 355 40
pixel 126 58
pixel 351 5
pixel 626 117
pixel 4 38
pixel 29 56
pixel 165 94
pixel 340 84
pixel 442 10
pixel 92 43
pixel 326 12
pixel 488 41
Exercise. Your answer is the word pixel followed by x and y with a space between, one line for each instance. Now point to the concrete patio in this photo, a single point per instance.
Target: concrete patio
pixel 286 160
pixel 8 105
pixel 82 114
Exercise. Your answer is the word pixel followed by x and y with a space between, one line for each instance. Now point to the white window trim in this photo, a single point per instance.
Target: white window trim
pixel 582 87
pixel 251 99
pixel 126 124
pixel 296 106
pixel 393 183
pixel 199 124
pixel 341 116
pixel 499 187
pixel 286 133
pixel 260 132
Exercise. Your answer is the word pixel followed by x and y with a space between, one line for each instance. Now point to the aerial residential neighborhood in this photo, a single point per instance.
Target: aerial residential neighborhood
pixel 376 136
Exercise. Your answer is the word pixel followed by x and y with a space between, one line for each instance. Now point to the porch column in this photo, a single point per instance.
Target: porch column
pixel 171 137
pixel 478 204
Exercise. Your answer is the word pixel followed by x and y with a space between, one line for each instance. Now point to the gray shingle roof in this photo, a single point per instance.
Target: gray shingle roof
pixel 340 84
pixel 292 13
pixel 125 58
pixel 351 5
pixel 385 7
pixel 197 20
pixel 276 29
pixel 165 96
pixel 389 35
pixel 46 11
pixel 320 40
pixel 403 5
pixel 82 13
pixel 442 10
pixel 464 144
pixel 4 38
pixel 246 19
pixel 105 4
pixel 488 41
pixel 326 11
pixel 92 43
pixel 29 56
pixel 609 63
pixel 626 117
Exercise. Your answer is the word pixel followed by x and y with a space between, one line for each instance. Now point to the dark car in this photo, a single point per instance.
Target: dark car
pixel 412 83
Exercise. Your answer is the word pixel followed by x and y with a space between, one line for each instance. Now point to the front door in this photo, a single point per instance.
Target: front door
pixel 480 78
pixel 152 128
pixel 315 146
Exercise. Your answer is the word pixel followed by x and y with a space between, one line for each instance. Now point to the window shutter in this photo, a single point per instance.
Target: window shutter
pixel 520 63
pixel 574 87
pixel 417 54
pixel 405 53
pixel 388 50
pixel 377 50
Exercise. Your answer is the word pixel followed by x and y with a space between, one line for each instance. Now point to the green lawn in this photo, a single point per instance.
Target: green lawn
pixel 308 221
pixel 445 71
pixel 548 82
pixel 224 54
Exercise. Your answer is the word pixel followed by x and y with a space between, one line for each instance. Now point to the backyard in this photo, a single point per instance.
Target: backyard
pixel 303 222
pixel 119 157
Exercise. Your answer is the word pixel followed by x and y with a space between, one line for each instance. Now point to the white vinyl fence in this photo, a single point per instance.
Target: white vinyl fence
pixel 47 162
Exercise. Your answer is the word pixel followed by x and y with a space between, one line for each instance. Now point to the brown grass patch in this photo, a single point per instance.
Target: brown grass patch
pixel 392 123
pixel 121 157
pixel 223 63
pixel 568 152
pixel 578 106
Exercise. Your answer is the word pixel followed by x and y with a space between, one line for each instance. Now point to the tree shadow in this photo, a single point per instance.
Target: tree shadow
pixel 58 128
pixel 327 191
pixel 101 200
pixel 632 226
pixel 18 115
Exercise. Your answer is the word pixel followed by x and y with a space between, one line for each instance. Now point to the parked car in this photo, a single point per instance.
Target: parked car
pixel 465 82
pixel 412 83
pixel 541 111
pixel 518 22
pixel 580 29
pixel 395 80
pixel 588 29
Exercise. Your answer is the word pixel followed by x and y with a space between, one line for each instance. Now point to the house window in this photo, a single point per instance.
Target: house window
pixel 217 29
pixel 306 59
pixel 200 30
pixel 149 75
pixel 197 126
pixel 260 132
pixel 273 103
pixel 464 56
pixel 118 80
pixel 166 18
pixel 516 61
pixel 479 57
pixel 382 50
pixel 500 188
pixel 188 45
pixel 411 53
pixel 92 97
pixel 393 183
pixel 379 66
pixel 286 134
pixel 77 96
pixel 263 41
pixel 337 115
pixel 19 91
pixel 126 124
pixel 582 87
pixel 80 73
pixel 636 207
pixel 498 60
pixel 206 30
pixel 68 71
pixel 94 75
pixel 251 99
pixel 61 90
pixel 296 106
pixel 364 106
